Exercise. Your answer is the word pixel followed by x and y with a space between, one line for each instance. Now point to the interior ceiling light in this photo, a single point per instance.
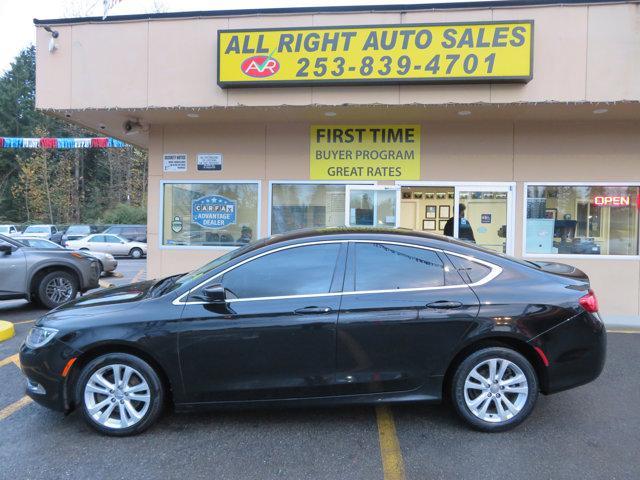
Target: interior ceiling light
pixel 464 113
pixel 193 115
pixel 598 111
pixel 330 114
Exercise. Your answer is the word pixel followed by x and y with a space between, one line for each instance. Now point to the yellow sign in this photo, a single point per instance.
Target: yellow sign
pixel 365 152
pixel 423 53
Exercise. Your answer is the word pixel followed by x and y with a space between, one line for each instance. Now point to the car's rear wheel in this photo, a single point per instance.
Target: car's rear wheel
pixel 135 253
pixel 56 288
pixel 119 394
pixel 494 389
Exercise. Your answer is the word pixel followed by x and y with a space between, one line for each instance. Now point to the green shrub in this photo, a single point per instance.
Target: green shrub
pixel 123 213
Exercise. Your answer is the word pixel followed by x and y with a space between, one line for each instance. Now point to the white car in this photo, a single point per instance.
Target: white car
pixel 108 264
pixel 50 232
pixel 113 244
pixel 9 230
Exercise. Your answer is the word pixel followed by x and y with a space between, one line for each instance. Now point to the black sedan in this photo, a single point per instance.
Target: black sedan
pixel 336 316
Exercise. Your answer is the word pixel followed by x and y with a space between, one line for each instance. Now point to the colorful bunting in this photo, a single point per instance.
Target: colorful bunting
pixel 90 142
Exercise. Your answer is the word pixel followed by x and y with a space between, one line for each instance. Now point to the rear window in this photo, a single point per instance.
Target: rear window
pixel 33 229
pixel 473 270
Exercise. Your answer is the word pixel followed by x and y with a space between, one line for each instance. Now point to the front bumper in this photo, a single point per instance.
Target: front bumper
pixel 91 276
pixel 43 368
pixel 576 350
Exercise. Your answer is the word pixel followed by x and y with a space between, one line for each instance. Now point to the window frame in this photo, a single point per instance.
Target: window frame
pixel 308 182
pixel 577 256
pixel 205 247
pixel 495 271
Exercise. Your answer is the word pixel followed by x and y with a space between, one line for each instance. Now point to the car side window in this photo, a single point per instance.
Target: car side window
pixel 54 230
pixel 472 271
pixel 303 270
pixel 383 266
pixel 97 239
pixel 111 239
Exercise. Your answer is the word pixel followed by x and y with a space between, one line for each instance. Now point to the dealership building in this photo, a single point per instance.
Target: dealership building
pixel 525 116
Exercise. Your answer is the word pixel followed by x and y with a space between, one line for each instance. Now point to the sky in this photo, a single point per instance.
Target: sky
pixel 16 16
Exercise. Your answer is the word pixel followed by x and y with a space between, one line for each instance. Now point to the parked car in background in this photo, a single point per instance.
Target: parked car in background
pixel 135 233
pixel 325 317
pixel 9 230
pixel 75 232
pixel 107 262
pixel 113 244
pixel 50 276
pixel 49 232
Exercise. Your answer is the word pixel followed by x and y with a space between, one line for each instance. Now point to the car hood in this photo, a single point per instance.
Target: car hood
pixel 108 300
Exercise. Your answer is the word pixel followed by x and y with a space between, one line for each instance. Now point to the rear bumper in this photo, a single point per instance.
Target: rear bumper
pixel 576 351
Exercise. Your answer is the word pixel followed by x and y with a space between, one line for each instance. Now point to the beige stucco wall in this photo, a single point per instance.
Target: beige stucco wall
pixel 498 151
pixel 581 53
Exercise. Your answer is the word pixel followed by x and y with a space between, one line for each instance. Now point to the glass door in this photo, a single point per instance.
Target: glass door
pixel 483 214
pixel 372 206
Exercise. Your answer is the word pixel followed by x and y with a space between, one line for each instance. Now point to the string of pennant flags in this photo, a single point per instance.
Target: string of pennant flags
pixel 90 142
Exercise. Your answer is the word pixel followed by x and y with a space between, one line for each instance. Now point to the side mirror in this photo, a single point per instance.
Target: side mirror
pixel 214 293
pixel 5 249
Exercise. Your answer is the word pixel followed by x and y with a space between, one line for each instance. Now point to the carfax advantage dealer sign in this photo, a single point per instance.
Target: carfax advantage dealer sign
pixel 419 53
pixel 365 152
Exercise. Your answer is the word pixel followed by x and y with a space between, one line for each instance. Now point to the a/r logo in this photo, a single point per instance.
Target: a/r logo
pixel 260 66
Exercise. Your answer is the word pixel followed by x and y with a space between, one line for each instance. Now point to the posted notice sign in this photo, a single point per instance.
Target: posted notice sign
pixel 365 152
pixel 411 53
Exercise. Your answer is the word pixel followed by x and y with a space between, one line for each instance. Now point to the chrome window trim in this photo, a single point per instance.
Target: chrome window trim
pixel 495 271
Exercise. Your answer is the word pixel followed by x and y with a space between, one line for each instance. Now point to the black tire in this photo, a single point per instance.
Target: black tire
pixel 101 268
pixel 51 300
pixel 136 253
pixel 150 376
pixel 494 425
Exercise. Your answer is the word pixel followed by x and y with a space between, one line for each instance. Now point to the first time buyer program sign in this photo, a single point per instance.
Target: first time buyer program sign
pixel 406 53
pixel 365 152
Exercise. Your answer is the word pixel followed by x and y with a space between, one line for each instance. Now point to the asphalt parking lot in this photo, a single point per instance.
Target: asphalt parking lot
pixel 589 432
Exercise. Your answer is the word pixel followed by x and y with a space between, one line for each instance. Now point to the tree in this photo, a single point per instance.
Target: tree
pixel 58 186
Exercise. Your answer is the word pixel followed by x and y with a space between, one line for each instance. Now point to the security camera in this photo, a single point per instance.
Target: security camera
pixel 54 33
pixel 132 126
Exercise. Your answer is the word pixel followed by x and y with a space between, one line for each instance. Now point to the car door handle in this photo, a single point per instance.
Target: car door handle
pixel 312 310
pixel 444 304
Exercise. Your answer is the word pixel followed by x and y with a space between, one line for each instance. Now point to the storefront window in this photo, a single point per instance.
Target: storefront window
pixel 210 214
pixel 305 205
pixel 586 220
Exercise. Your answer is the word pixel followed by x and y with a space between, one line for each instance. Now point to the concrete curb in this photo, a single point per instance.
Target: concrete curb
pixel 7 330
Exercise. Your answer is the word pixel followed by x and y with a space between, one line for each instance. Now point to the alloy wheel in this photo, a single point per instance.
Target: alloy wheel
pixel 496 390
pixel 117 396
pixel 59 290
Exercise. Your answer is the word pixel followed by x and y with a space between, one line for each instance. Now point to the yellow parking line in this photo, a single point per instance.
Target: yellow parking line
pixel 11 359
pixel 137 276
pixel 23 321
pixel 392 462
pixel 620 330
pixel 14 407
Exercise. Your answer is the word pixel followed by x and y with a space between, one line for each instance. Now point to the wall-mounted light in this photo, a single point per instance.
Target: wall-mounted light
pixel 599 111
pixel 464 113
pixel 52 42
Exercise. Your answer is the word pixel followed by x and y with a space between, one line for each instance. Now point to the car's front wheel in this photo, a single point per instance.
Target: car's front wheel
pixel 119 394
pixel 56 288
pixel 135 253
pixel 494 389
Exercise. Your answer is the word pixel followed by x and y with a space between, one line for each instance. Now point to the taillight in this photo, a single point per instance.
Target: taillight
pixel 589 302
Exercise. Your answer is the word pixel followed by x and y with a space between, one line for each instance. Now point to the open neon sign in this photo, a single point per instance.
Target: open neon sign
pixel 615 200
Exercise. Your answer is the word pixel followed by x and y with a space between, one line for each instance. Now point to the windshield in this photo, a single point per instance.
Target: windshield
pixel 4 229
pixel 35 229
pixel 78 229
pixel 40 243
pixel 205 269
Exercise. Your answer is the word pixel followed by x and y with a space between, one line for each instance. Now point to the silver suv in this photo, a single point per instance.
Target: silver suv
pixel 52 277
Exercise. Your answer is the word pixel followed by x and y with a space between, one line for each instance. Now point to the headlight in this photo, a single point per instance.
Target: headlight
pixel 40 336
